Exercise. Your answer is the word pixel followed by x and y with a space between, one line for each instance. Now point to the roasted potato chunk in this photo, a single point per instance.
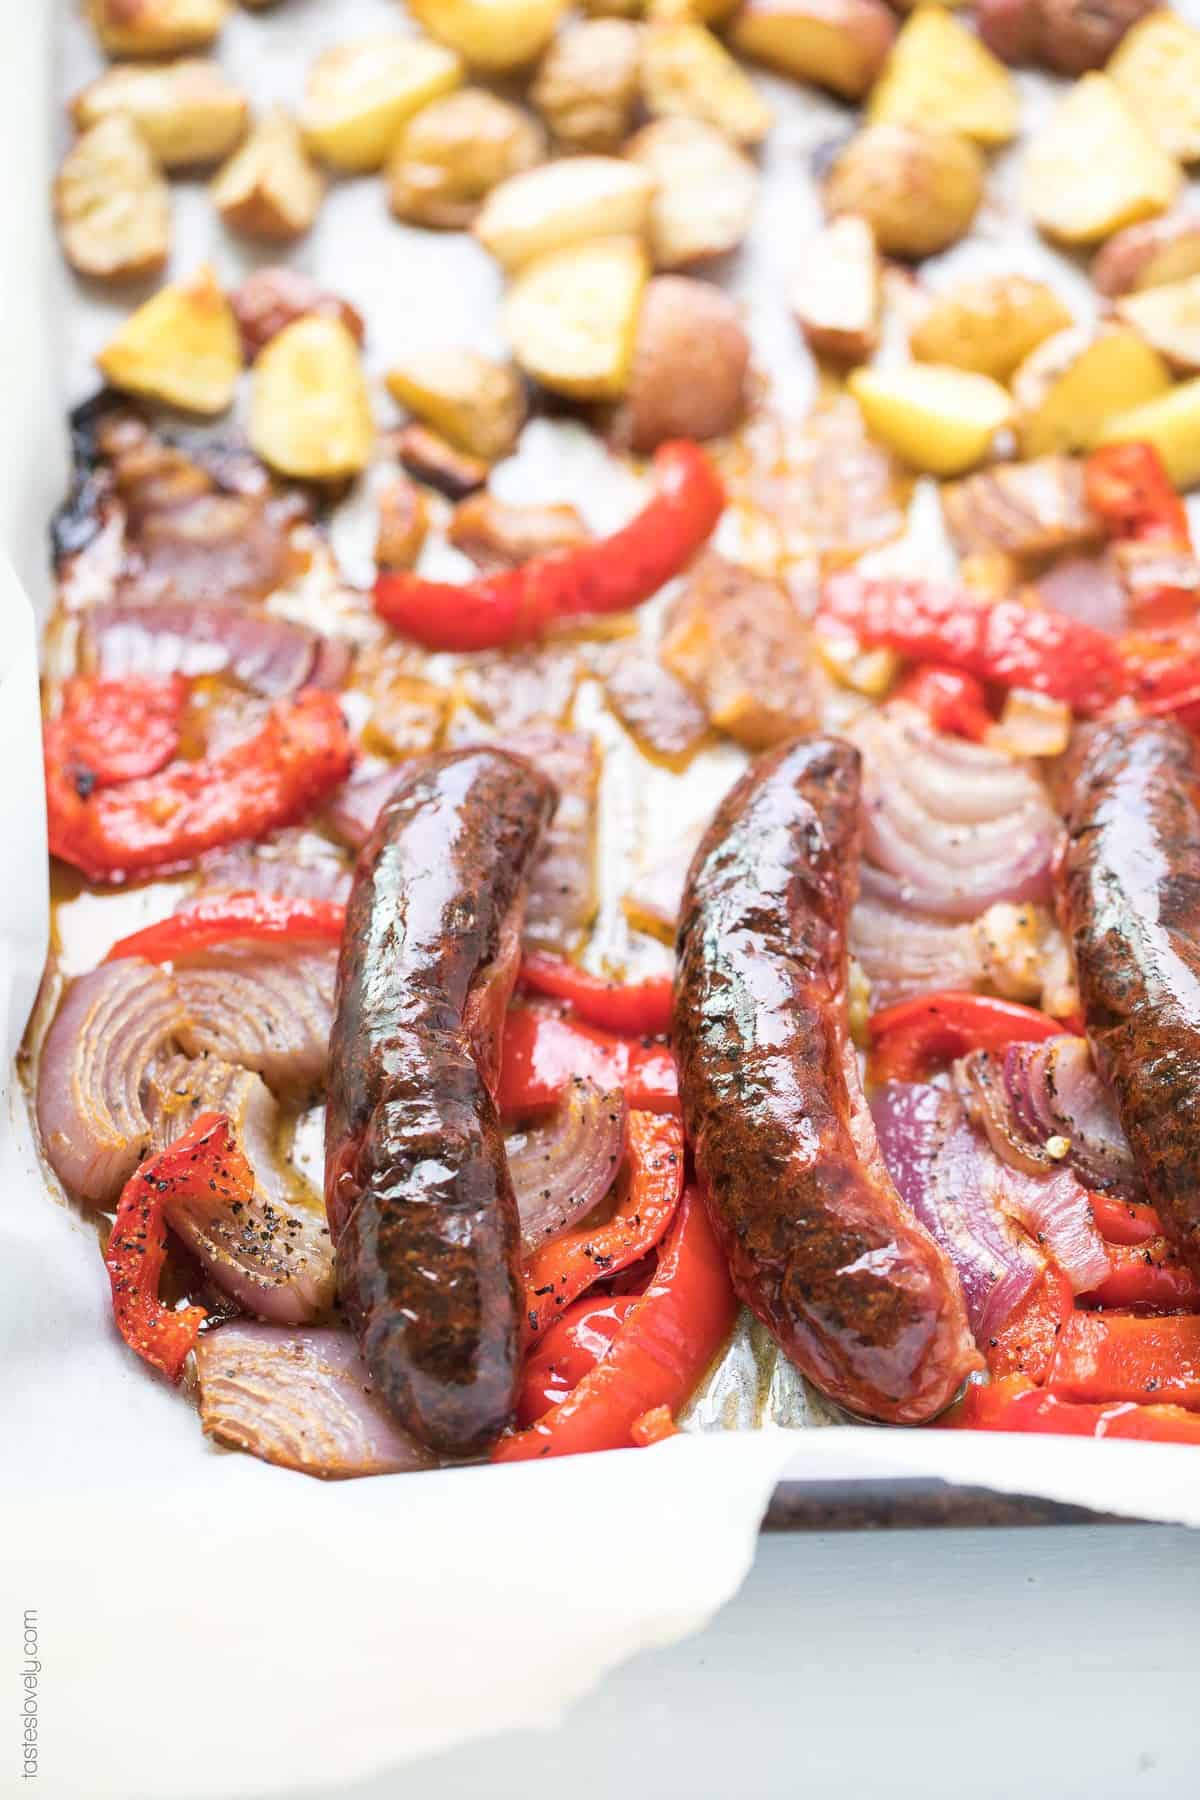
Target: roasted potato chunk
pixel 587 84
pixel 704 195
pixel 939 70
pixel 1157 68
pixel 428 456
pixel 572 317
pixel 1171 422
pixel 1029 509
pixel 940 420
pixel 690 362
pixel 1070 36
pixel 917 187
pixel 156 27
pixel 839 44
pixel 989 323
pixel 496 535
pixel 270 188
pixel 491 34
pixel 181 347
pixel 403 524
pixel 474 402
pixel 453 152
pixel 310 413
pixel 189 112
pixel 1169 320
pixel 1067 389
pixel 358 96
pixel 1092 168
pixel 835 296
pixel 564 203
pixel 1150 255
pixel 113 206
pixel 273 298
pixel 687 73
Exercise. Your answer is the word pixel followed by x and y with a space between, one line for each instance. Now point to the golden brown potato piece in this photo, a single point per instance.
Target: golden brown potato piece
pixel 1169 319
pixel 917 187
pixel 451 155
pixel 835 295
pixel 189 112
pixel 476 403
pixel 839 44
pixel 310 413
pixel 403 524
pixel 1092 168
pixel 572 317
pixel 587 84
pixel 613 9
pixel 1157 68
pixel 568 202
pixel 496 535
pixel 113 206
pixel 940 420
pixel 705 190
pixel 938 70
pixel 989 323
pixel 428 456
pixel 156 27
pixel 270 188
pixel 1067 389
pixel 687 73
pixel 1029 509
pixel 491 34
pixel 358 95
pixel 408 714
pixel 1150 255
pixel 665 719
pixel 1171 422
pixel 274 297
pixel 181 347
pixel 690 363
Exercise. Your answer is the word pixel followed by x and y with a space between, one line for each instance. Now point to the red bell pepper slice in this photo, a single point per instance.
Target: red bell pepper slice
pixel 654 1427
pixel 954 702
pixel 109 732
pixel 274 778
pixel 1127 485
pixel 915 1036
pixel 1122 1356
pixel 559 1273
pixel 1001 640
pixel 570 1349
pixel 1147 1275
pixel 220 918
pixel 668 1339
pixel 610 575
pixel 543 1052
pixel 205 1157
pixel 1024 1344
pixel 1015 1404
pixel 1124 1221
pixel 635 1008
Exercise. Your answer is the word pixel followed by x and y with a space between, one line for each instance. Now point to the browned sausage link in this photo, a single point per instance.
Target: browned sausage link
pixel 1131 880
pixel 416 1182
pixel 821 1246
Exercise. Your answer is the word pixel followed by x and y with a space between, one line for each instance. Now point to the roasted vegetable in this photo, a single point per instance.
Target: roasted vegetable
pixel 1073 382
pixel 1171 422
pixel 572 317
pixel 270 188
pixel 564 203
pixel 939 71
pixel 181 347
pixel 113 207
pixel 431 459
pixel 1028 509
pixel 454 152
pixel 272 298
pixel 189 112
pixel 156 27
pixel 358 95
pixel 496 535
pixel 918 187
pixel 403 524
pixel 687 73
pixel 474 402
pixel 839 44
pixel 989 323
pixel 835 293
pixel 310 413
pixel 1092 168
pixel 941 420
pixel 491 34
pixel 690 363
pixel 1169 319
pixel 1150 255
pixel 1157 68
pixel 704 194
pixel 587 85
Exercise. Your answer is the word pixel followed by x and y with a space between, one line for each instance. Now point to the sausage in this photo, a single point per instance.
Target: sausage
pixel 1131 907
pixel 821 1247
pixel 417 1188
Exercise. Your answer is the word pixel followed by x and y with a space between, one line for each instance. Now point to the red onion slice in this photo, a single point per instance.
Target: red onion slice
pixel 1054 1209
pixel 563 887
pixel 290 865
pixel 266 653
pixel 300 1399
pixel 266 1010
pixel 902 953
pixel 563 1169
pixel 360 800
pixel 1055 1090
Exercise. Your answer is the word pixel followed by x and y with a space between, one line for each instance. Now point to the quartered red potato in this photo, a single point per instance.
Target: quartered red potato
pixel 468 990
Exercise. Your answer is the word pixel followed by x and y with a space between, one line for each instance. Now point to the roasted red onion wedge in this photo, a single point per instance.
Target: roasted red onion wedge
pixel 903 953
pixel 563 889
pixel 112 1026
pixel 266 1010
pixel 564 1168
pixel 301 1399
pixel 1054 1209
pixel 292 864
pixel 269 654
pixel 359 801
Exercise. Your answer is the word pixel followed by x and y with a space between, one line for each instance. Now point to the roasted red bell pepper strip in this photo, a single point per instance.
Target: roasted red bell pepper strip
pixel 558 1274
pixel 635 1008
pixel 1015 1404
pixel 1121 1356
pixel 114 731
pixel 654 1427
pixel 1128 487
pixel 915 1036
pixel 161 821
pixel 543 1051
pixel 1165 675
pixel 570 1349
pixel 667 1341
pixel 1147 1275
pixel 220 918
pixel 1000 640
pixel 205 1157
pixel 610 575
pixel 1124 1221
pixel 1024 1344
pixel 953 701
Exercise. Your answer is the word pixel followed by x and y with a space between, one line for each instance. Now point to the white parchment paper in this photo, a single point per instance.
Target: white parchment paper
pixel 210 1625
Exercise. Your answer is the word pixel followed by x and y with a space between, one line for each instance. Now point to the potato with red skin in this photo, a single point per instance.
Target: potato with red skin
pixel 1151 254
pixel 1070 36
pixel 690 363
pixel 275 297
pixel 918 187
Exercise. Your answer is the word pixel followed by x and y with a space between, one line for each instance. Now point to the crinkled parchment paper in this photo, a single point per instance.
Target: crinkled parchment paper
pixel 210 1625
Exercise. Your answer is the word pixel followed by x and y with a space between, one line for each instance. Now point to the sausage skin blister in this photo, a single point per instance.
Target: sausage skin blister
pixel 821 1247
pixel 417 1187
pixel 1131 903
